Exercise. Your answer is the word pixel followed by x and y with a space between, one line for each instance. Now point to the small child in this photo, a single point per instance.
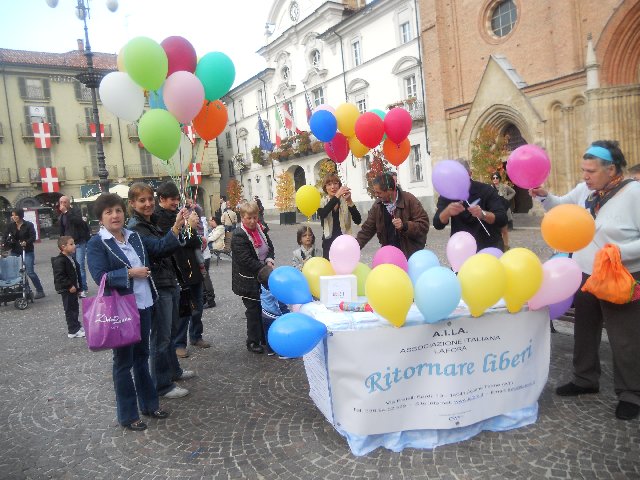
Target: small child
pixel 271 307
pixel 306 240
pixel 67 282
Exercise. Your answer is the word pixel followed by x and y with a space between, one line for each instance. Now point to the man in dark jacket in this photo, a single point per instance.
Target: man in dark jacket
pixel 484 210
pixel 397 217
pixel 72 225
pixel 187 270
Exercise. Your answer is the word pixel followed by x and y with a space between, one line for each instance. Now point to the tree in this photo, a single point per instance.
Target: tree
pixel 327 166
pixel 285 193
pixel 234 193
pixel 488 151
pixel 377 166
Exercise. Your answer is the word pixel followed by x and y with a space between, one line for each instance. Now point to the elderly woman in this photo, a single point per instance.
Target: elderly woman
pixel 613 202
pixel 123 256
pixel 20 236
pixel 251 250
pixel 336 212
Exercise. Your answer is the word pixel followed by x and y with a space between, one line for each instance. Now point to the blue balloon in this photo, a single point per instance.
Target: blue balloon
pixel 324 125
pixel 289 286
pixel 437 294
pixel 156 100
pixel 560 255
pixel 295 334
pixel 420 262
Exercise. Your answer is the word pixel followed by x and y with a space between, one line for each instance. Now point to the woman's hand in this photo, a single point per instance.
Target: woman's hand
pixel 180 218
pixel 342 191
pixel 139 272
pixel 271 263
pixel 193 220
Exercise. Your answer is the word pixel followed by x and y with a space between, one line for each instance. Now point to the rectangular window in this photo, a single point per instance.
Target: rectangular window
pixel 357 54
pixel 241 105
pixel 410 87
pixel 227 137
pixel 146 162
pixel 318 96
pixel 83 94
pixel 232 171
pixel 361 103
pixel 260 99
pixel 269 188
pixel 34 88
pixel 249 188
pixel 405 32
pixel 43 157
pixel 366 165
pixel 93 159
pixel 88 116
pixel 416 164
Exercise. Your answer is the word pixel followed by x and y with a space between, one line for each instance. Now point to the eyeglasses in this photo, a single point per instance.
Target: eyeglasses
pixel 495 177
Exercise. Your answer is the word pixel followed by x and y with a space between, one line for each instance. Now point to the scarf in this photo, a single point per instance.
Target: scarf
pixel 344 217
pixel 254 234
pixel 596 200
pixel 391 206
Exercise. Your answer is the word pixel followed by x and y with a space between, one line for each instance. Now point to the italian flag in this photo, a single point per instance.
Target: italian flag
pixel 278 126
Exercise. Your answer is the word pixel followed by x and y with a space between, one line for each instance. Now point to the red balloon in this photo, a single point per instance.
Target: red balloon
pixel 338 148
pixel 211 120
pixel 180 53
pixel 395 153
pixel 397 124
pixel 369 129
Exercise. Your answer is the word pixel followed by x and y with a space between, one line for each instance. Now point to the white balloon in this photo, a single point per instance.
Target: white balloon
pixel 122 96
pixel 52 3
pixel 112 5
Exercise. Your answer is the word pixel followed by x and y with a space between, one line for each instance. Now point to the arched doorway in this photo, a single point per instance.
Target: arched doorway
pixel 522 202
pixel 299 177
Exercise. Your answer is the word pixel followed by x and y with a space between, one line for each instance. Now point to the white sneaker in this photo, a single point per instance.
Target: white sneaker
pixel 83 293
pixel 79 334
pixel 187 374
pixel 177 392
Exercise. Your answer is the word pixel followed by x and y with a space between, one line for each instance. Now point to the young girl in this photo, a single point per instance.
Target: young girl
pixel 306 240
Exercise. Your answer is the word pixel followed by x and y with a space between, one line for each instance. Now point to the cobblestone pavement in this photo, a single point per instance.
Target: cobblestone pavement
pixel 250 416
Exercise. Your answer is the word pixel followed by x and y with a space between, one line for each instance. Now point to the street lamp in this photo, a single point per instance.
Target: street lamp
pixel 91 79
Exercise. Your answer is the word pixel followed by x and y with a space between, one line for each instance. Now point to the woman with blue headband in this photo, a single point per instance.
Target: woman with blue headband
pixel 613 201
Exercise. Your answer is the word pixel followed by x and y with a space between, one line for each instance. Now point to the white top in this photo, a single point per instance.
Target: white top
pixel 617 222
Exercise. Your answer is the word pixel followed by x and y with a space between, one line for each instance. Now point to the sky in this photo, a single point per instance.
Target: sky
pixel 235 27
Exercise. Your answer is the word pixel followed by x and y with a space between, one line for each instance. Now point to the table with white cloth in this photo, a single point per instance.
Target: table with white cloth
pixel 425 385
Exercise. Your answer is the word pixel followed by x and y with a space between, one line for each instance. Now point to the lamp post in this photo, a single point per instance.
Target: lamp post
pixel 91 79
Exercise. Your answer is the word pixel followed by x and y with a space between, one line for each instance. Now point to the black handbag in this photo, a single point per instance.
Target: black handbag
pixel 185 306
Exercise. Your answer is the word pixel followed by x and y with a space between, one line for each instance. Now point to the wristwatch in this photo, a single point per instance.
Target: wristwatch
pixel 484 214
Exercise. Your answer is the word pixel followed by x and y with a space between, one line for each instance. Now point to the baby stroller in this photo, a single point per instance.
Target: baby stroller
pixel 13 282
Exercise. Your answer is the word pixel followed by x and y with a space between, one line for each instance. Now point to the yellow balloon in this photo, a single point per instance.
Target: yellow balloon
pixel 483 281
pixel 357 148
pixel 390 293
pixel 313 269
pixel 308 199
pixel 346 115
pixel 361 272
pixel 524 277
pixel 120 61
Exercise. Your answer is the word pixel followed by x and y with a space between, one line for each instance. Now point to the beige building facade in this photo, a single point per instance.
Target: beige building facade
pixel 41 87
pixel 558 74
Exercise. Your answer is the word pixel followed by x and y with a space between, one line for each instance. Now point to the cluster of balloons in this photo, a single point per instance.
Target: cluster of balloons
pixel 344 129
pixel 182 89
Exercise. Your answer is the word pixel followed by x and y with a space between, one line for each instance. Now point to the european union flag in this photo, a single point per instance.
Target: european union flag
pixel 265 143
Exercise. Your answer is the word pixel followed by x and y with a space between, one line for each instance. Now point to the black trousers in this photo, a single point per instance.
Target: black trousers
pixel 255 333
pixel 71 311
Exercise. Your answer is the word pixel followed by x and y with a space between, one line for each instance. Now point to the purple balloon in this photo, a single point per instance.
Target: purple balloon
pixel 496 252
pixel 560 308
pixel 451 180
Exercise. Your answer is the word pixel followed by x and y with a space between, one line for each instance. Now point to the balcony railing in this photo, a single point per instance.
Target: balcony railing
pixel 209 168
pixel 5 176
pixel 84 131
pixel 144 171
pixel 132 131
pixel 91 172
pixel 34 175
pixel 27 131
pixel 411 105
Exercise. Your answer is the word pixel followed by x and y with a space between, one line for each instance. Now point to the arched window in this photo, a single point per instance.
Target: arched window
pixel 503 18
pixel 315 58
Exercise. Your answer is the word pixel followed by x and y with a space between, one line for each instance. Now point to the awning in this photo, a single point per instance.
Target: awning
pixel 120 189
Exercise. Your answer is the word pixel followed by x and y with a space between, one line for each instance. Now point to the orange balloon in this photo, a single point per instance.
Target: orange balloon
pixel 396 153
pixel 211 120
pixel 568 228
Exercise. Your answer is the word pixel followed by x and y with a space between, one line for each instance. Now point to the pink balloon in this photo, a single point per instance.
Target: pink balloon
pixel 460 246
pixel 338 148
pixel 496 252
pixel 344 254
pixel 397 124
pixel 325 106
pixel 561 278
pixel 392 255
pixel 528 166
pixel 180 53
pixel 183 95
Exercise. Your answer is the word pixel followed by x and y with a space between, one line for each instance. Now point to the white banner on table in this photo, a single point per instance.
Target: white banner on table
pixel 447 375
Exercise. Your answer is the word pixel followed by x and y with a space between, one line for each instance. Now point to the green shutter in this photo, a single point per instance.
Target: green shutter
pixel 22 85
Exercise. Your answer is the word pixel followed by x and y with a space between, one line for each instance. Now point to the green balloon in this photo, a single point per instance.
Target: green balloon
pixel 217 73
pixel 146 62
pixel 381 114
pixel 159 132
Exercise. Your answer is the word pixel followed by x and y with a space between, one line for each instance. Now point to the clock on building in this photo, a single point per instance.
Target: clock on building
pixel 294 11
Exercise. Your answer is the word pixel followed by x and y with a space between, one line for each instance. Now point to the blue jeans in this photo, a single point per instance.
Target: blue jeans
pixel 192 323
pixel 138 391
pixel 164 361
pixel 29 262
pixel 81 255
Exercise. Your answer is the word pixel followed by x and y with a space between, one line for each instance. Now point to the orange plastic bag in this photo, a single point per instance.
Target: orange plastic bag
pixel 610 280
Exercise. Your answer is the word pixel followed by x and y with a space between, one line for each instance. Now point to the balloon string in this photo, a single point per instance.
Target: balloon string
pixel 482 224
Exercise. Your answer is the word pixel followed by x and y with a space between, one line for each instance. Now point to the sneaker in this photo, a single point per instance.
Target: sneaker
pixel 269 350
pixel 79 334
pixel 186 375
pixel 39 295
pixel 282 357
pixel 176 392
pixel 572 390
pixel 182 352
pixel 201 343
pixel 83 293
